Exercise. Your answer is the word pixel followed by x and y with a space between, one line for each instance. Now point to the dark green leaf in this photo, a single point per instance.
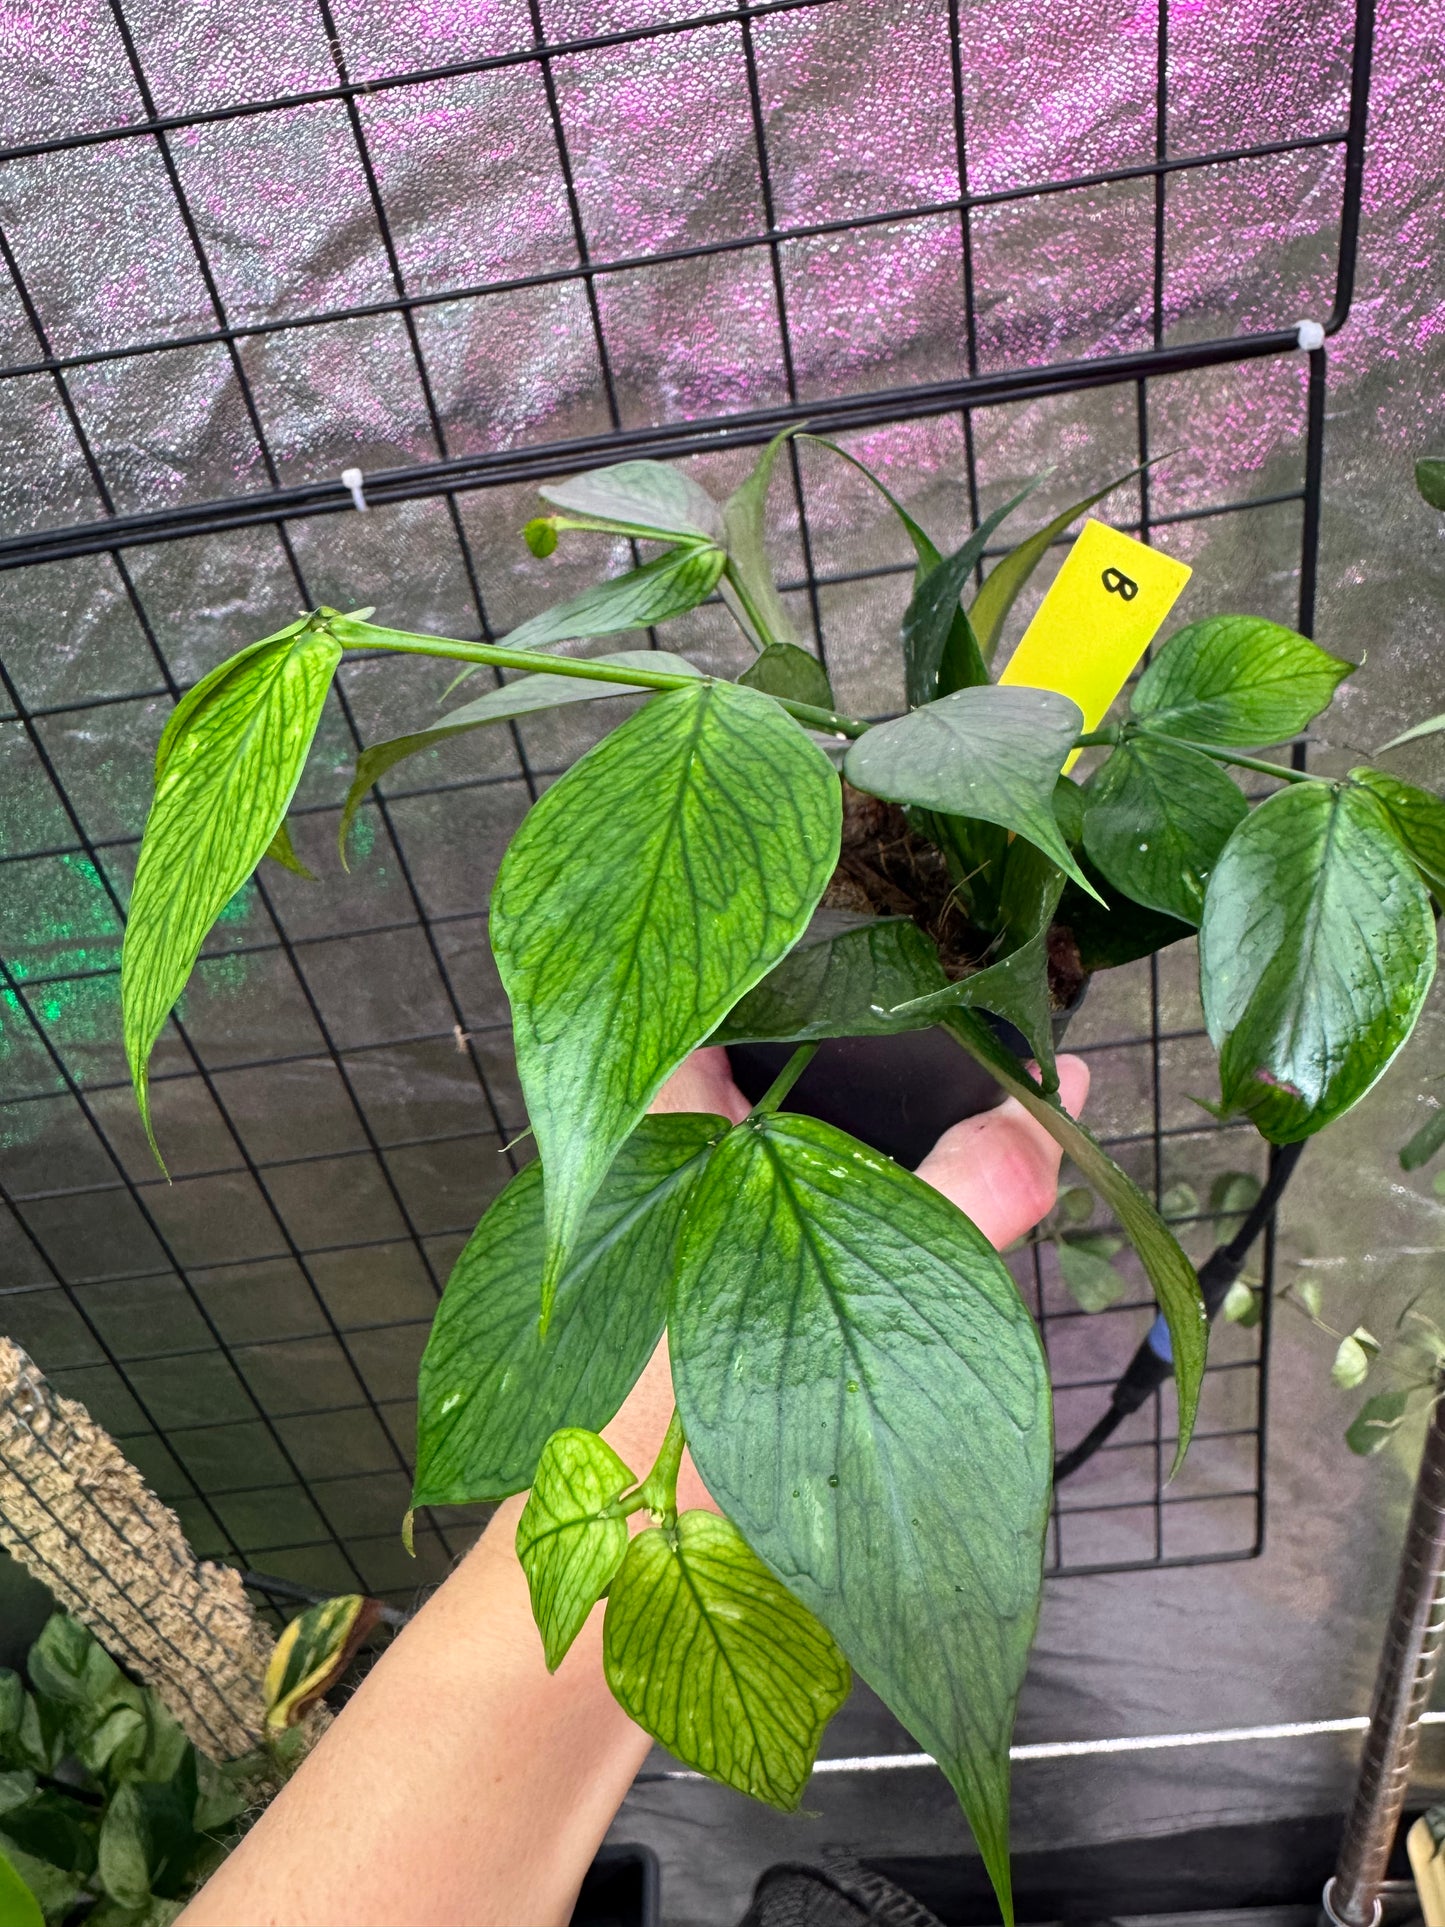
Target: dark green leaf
pixel 934 620
pixel 1315 955
pixel 1425 1142
pixel 54 1828
pixel 785 670
pixel 18 1905
pixel 148 1841
pixel 990 607
pixel 718 1662
pixel 1431 727
pixel 1169 1271
pixel 1237 680
pixel 1418 818
pixel 840 983
pixel 1377 1422
pixel 1085 1268
pixel 1116 930
pixel 924 547
pixel 1430 480
pixel 1157 816
pixel 990 753
pixel 836 1326
pixel 668 586
pixel 17 1789
pixel 520 697
pixel 492 1388
pixel 227 779
pixel 649 498
pixel 645 893
pixel 569 1552
pixel 759 608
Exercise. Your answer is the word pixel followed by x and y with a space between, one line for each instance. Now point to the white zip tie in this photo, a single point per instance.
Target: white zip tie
pixel 1310 335
pixel 1078 1749
pixel 352 480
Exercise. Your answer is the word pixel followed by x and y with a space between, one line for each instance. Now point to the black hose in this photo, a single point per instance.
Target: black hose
pixel 1153 1364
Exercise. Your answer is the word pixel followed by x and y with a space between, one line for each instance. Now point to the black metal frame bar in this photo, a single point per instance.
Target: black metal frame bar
pixel 446 476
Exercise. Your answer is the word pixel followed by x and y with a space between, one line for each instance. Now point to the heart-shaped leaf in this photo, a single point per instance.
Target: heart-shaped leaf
pixel 568 1549
pixel 989 752
pixel 649 498
pixel 1418 818
pixel 718 1662
pixel 227 773
pixel 866 1396
pixel 1157 817
pixel 840 983
pixel 1237 680
pixel 521 697
pixel 1315 955
pixel 1170 1273
pixel 645 893
pixel 493 1389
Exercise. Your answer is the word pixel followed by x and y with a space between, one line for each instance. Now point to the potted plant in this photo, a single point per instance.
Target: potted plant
pixel 858 1380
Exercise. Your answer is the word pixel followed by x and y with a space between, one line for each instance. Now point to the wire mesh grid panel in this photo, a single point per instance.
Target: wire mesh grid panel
pixel 461 251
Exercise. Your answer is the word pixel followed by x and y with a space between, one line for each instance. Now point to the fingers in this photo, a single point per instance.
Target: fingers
pixel 1002 1168
pixel 703 1083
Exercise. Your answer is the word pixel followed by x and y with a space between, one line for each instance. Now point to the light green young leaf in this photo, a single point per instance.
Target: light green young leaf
pixel 280 850
pixel 1430 480
pixel 492 1388
pixel 989 609
pixel 1170 1273
pixel 787 671
pixel 1241 1305
pixel 987 752
pixel 568 1550
pixel 645 893
pixel 1238 680
pixel 1357 1352
pixel 755 599
pixel 227 779
pixel 1179 1201
pixel 18 1905
pixel 1157 816
pixel 1418 818
pixel 1316 952
pixel 521 697
pixel 836 1325
pixel 1075 1204
pixel 1425 1142
pixel 719 1662
pixel 668 586
pixel 840 983
pixel 1308 1293
pixel 1377 1422
pixel 935 628
pixel 1232 1196
pixel 650 498
pixel 1431 727
pixel 1085 1268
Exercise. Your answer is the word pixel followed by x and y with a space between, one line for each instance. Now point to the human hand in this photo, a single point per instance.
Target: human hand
pixel 1001 1168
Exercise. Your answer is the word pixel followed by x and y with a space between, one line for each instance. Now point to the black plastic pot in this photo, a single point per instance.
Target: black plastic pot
pixel 899 1094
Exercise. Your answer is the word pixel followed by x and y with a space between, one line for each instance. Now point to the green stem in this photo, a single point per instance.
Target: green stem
pixel 658 1491
pixel 358 635
pixel 1281 770
pixel 750 609
pixel 786 1078
pixel 1096 738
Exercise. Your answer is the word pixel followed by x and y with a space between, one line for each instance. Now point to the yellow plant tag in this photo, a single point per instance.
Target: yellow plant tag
pixel 1104 608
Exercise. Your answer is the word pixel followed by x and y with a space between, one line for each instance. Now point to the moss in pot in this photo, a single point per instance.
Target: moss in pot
pixel 861 1386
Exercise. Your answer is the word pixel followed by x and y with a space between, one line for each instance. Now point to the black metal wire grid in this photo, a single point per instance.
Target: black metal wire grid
pixel 197 1319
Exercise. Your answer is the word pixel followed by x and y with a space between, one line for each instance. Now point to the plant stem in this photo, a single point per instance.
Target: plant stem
pixel 1281 770
pixel 360 635
pixel 658 1491
pixel 749 609
pixel 1096 738
pixel 786 1078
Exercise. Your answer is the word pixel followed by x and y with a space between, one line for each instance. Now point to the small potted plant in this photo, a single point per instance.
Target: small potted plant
pixel 859 1382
